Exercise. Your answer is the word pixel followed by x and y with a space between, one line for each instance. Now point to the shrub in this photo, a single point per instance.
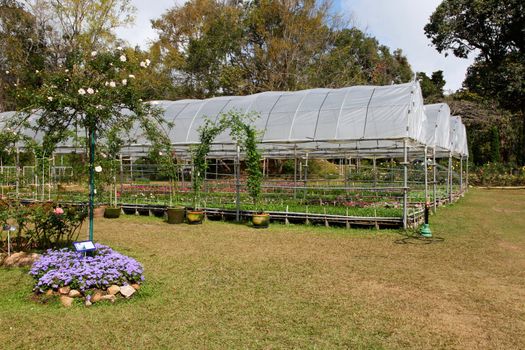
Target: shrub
pixel 39 227
pixel 105 267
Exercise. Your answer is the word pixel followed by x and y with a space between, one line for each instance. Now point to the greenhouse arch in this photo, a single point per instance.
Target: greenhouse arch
pixel 386 144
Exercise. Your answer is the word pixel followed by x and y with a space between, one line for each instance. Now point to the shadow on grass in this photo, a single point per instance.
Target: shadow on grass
pixel 414 237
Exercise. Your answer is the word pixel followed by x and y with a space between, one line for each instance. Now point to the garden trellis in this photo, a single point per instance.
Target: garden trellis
pixel 385 132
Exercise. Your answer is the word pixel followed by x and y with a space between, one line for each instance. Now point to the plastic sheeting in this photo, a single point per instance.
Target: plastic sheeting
pixel 367 121
pixel 437 126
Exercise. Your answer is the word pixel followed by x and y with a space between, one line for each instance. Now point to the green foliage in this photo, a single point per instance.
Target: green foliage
pixel 322 168
pixel 253 164
pixel 497 174
pixel 432 88
pixel 234 49
pixel 245 136
pixel 492 29
pixel 207 133
pixel 494 144
pixel 39 227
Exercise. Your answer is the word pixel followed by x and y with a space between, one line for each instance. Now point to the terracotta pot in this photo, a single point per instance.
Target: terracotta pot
pixel 195 217
pixel 176 215
pixel 98 212
pixel 261 220
pixel 112 212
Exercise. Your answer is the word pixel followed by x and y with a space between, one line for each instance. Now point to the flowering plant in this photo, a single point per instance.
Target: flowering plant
pixel 106 267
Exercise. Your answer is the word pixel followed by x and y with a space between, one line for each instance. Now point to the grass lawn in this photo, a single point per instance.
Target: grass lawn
pixel 221 285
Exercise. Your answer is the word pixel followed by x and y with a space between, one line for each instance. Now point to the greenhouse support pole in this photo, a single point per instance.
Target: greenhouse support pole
pixel 238 185
pixel 17 171
pixel 121 175
pixel 450 178
pixel 405 184
pixel 461 174
pixel 43 178
pixel 466 175
pixel 374 171
pixel 91 182
pixel 295 173
pixel 305 176
pixel 434 180
pixel 425 164
pixel 2 172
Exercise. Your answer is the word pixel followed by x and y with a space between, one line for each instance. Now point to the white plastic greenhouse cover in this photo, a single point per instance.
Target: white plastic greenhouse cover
pixel 458 137
pixel 359 120
pixel 437 126
pixel 317 115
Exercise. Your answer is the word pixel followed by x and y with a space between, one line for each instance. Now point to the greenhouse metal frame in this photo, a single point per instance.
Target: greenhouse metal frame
pixel 359 122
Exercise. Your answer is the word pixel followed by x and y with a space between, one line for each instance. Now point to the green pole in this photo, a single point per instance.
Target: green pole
pixel 91 181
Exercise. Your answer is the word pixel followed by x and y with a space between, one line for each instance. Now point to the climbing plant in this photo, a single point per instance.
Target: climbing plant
pixel 244 135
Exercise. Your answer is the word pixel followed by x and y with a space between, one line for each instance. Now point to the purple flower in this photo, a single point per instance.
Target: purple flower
pixel 68 268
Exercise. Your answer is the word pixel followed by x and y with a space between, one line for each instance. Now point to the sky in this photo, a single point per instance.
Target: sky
pixel 395 23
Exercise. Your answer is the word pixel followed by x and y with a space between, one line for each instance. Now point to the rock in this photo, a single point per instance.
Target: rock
pixel 109 297
pixel 114 289
pixel 66 301
pixel 127 291
pixel 74 293
pixel 96 297
pixel 88 303
pixel 49 292
pixel 64 290
pixel 20 259
pixel 136 286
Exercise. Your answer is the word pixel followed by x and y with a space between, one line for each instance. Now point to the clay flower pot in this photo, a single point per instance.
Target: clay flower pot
pixel 261 220
pixel 98 212
pixel 195 217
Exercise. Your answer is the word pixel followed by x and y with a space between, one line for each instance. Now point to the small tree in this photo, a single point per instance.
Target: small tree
pixel 94 91
pixel 244 135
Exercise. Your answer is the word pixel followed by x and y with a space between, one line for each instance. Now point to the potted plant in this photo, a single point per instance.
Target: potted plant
pixel 165 158
pixel 207 133
pixel 254 181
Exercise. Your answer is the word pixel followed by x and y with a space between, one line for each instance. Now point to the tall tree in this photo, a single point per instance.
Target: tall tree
pixel 495 31
pixel 214 47
pixel 432 88
pixel 22 52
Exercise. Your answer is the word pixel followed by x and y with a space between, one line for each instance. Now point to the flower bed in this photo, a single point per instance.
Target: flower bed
pixel 71 274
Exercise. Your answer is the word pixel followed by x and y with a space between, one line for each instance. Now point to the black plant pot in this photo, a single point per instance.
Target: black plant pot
pixel 158 213
pixel 143 211
pixel 112 212
pixel 129 211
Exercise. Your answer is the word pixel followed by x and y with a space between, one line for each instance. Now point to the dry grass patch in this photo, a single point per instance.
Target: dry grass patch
pixel 221 285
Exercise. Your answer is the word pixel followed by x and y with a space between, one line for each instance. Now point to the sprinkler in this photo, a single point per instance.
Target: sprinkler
pixel 425 229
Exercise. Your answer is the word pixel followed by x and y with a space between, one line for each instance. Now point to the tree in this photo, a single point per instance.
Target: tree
pixel 95 93
pixel 432 88
pixel 72 25
pixel 22 52
pixel 494 30
pixel 213 47
pixel 355 58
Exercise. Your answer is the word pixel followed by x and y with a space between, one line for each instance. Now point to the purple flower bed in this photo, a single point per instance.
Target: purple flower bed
pixel 59 268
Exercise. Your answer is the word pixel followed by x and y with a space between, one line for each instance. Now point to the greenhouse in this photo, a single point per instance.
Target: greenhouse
pixel 361 155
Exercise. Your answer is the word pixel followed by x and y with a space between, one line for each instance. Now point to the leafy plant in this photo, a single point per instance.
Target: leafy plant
pixel 244 135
